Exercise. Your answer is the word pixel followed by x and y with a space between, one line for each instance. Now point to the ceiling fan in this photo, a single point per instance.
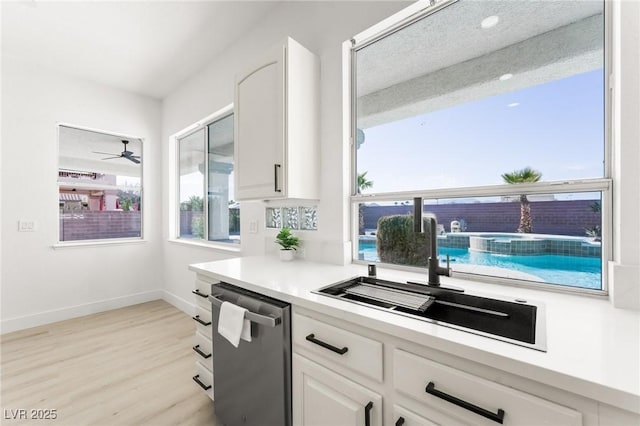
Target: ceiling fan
pixel 124 154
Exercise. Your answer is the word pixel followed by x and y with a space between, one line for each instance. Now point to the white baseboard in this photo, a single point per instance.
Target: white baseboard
pixel 185 306
pixel 48 317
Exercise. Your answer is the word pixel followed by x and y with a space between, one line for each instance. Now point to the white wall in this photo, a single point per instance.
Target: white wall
pixel 41 284
pixel 624 270
pixel 321 27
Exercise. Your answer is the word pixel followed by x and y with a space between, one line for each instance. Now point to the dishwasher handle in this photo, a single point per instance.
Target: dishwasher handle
pixel 251 316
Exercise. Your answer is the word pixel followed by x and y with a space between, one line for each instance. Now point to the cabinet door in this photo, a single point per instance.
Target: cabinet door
pixel 322 398
pixel 259 129
pixel 404 417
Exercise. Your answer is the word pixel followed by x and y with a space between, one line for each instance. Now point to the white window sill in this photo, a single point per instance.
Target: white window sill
pixel 234 248
pixel 97 243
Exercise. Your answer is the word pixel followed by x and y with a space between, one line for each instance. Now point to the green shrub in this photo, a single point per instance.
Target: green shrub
pixel 197 226
pixel 399 244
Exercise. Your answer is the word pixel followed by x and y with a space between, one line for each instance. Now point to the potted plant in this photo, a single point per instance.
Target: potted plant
pixel 288 242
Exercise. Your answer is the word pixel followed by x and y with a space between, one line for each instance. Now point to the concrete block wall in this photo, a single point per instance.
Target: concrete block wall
pixel 560 217
pixel 97 225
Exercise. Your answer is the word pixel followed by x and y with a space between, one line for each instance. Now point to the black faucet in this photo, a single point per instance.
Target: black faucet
pixel 434 268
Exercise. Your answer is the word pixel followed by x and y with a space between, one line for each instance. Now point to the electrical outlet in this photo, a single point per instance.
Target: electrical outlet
pixel 253 227
pixel 26 226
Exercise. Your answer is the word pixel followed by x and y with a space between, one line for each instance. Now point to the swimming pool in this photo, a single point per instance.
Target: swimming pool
pixel 574 271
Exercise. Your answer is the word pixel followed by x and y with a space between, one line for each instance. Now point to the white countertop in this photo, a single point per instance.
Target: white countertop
pixel 593 349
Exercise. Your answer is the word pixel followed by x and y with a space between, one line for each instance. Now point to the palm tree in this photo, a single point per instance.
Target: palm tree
pixel 363 183
pixel 526 175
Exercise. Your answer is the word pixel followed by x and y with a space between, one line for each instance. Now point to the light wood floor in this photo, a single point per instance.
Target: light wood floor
pixel 130 366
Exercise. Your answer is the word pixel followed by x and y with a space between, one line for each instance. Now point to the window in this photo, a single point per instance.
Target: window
pixel 99 185
pixel 499 122
pixel 206 167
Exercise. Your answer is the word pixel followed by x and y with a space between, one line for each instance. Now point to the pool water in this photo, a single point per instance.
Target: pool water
pixel 574 271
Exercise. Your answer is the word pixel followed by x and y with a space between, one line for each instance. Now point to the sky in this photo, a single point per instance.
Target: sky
pixel 556 128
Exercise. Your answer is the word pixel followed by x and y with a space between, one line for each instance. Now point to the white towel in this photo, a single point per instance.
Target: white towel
pixel 232 325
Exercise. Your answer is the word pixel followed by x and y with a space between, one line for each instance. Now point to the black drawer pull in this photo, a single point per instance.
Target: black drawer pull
pixel 276 186
pixel 312 339
pixel 202 354
pixel 499 417
pixel 400 421
pixel 367 413
pixel 196 379
pixel 197 293
pixel 197 318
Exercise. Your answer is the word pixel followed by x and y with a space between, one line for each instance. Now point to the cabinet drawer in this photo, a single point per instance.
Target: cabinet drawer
pixel 404 417
pixel 472 398
pixel 201 294
pixel 203 350
pixel 343 347
pixel 203 321
pixel 322 397
pixel 203 379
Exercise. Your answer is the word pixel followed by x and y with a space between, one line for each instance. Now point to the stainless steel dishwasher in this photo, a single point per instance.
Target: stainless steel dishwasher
pixel 252 383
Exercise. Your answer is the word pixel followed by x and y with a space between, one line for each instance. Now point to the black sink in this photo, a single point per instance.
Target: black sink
pixel 515 321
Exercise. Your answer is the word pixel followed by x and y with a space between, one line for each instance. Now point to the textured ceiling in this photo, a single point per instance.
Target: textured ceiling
pixel 447 59
pixel 77 146
pixel 453 35
pixel 147 47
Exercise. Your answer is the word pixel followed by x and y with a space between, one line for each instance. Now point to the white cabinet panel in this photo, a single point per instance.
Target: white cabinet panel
pixel 204 379
pixel 412 375
pixel 201 294
pixel 259 140
pixel 203 339
pixel 323 398
pixel 362 354
pixel 276 125
pixel 203 321
pixel 203 348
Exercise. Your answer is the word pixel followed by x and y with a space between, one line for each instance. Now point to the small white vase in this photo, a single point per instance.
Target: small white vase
pixel 286 255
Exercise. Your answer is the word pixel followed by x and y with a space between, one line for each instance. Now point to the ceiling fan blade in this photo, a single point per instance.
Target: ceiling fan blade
pixel 105 153
pixel 131 158
pixel 111 158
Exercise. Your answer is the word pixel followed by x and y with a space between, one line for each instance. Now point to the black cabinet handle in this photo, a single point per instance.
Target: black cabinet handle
pixel 496 417
pixel 276 187
pixel 197 318
pixel 312 339
pixel 400 421
pixel 202 354
pixel 197 293
pixel 196 379
pixel 367 413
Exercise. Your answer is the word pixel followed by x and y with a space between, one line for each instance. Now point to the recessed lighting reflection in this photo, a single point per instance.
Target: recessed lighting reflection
pixel 489 21
pixel 514 104
pixel 505 77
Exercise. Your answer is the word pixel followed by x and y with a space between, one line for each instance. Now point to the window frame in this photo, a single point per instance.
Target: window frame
pixel 407 17
pixel 103 241
pixel 200 125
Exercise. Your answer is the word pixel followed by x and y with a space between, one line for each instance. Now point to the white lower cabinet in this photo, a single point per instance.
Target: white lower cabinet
pixel 403 388
pixel 324 398
pixel 203 338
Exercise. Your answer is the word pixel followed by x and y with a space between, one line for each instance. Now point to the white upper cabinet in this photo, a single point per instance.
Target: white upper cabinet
pixel 276 125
